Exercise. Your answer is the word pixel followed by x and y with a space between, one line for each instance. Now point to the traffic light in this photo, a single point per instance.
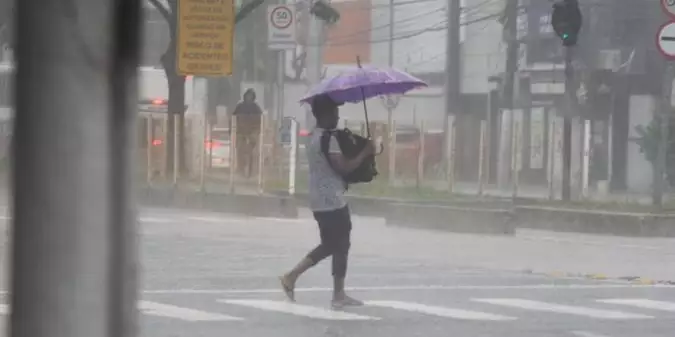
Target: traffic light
pixel 566 21
pixel 325 12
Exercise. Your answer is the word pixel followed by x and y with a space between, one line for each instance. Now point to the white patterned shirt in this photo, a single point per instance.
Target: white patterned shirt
pixel 326 187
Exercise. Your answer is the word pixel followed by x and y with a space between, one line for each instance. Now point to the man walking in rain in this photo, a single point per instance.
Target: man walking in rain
pixel 248 114
pixel 327 202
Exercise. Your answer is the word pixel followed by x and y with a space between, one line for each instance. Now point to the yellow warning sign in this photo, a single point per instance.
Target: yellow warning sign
pixel 205 37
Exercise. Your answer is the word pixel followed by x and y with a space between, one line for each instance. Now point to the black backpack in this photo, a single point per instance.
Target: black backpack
pixel 351 145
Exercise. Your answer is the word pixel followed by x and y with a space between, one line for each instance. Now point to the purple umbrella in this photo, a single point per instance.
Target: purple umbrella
pixel 361 84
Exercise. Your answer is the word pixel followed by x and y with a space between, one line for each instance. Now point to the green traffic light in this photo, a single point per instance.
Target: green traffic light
pixel 565 36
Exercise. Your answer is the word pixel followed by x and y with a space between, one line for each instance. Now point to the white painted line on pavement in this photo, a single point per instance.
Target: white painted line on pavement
pixel 440 311
pixel 214 219
pixel 642 303
pixel 297 220
pixel 559 308
pixel 155 220
pixel 587 334
pixel 4 309
pixel 419 287
pixel 186 314
pixel 300 310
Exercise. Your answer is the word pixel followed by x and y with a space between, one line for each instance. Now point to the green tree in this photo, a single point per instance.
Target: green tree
pixel 648 140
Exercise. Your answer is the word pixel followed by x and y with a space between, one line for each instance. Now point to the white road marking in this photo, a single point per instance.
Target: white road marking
pixel 214 219
pixel 186 314
pixel 292 220
pixel 4 309
pixel 155 220
pixel 440 311
pixel 299 310
pixel 414 287
pixel 587 334
pixel 558 308
pixel 642 303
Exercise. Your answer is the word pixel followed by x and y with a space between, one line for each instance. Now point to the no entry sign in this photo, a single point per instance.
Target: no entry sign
pixel 665 40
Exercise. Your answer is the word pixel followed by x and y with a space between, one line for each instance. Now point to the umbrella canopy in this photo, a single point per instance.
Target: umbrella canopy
pixel 363 83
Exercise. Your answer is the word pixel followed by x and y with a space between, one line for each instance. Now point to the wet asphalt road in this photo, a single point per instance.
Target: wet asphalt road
pixel 214 275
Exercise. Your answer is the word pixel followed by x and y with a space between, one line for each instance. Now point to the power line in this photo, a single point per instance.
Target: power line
pixel 369 30
pixel 432 28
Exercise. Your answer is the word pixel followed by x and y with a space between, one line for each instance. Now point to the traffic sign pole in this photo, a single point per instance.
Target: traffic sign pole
pixel 665 42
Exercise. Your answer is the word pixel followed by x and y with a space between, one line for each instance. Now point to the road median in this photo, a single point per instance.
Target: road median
pixel 259 205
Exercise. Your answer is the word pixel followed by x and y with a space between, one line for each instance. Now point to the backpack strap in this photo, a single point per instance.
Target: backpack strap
pixel 325 144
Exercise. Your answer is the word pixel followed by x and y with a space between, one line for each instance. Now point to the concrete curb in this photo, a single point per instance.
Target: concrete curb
pixel 251 205
pixel 458 219
pixel 596 221
pixel 637 280
pixel 501 216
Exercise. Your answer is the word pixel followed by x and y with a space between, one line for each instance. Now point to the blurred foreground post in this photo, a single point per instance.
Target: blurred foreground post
pixel 74 271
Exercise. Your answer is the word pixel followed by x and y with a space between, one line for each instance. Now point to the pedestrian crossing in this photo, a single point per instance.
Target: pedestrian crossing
pixel 491 310
pixel 230 310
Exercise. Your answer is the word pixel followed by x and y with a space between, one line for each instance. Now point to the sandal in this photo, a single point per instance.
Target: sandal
pixel 288 289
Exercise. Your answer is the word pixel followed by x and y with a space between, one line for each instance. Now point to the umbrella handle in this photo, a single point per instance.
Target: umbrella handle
pixel 363 95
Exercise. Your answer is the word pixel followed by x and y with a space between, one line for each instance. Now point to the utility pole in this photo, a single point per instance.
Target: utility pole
pixel 391 127
pixel 314 63
pixel 453 71
pixel 506 103
pixel 74 268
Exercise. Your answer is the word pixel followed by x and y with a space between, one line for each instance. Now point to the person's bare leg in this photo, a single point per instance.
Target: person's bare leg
pixel 340 297
pixel 288 280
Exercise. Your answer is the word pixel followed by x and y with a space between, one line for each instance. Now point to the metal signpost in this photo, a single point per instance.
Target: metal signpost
pixel 281 23
pixel 665 42
pixel 205 37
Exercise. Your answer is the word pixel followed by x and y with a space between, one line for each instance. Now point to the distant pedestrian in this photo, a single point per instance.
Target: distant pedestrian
pixel 327 202
pixel 248 115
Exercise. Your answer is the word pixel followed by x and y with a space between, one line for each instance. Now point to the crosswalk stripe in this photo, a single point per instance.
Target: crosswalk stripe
pixel 213 219
pixel 152 219
pixel 440 311
pixel 558 308
pixel 642 303
pixel 586 334
pixel 300 310
pixel 186 314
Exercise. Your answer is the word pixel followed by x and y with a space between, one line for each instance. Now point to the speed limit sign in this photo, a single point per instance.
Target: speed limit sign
pixel 281 27
pixel 668 7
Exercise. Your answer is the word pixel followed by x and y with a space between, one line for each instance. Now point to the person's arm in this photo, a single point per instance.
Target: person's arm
pixel 237 110
pixel 342 164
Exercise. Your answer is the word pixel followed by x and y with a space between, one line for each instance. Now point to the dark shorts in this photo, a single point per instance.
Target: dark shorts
pixel 334 228
pixel 338 220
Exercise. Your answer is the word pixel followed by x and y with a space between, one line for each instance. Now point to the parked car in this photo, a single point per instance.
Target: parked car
pixel 218 148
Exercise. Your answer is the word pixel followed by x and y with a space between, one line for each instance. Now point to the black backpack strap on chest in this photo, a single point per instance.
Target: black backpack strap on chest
pixel 325 144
